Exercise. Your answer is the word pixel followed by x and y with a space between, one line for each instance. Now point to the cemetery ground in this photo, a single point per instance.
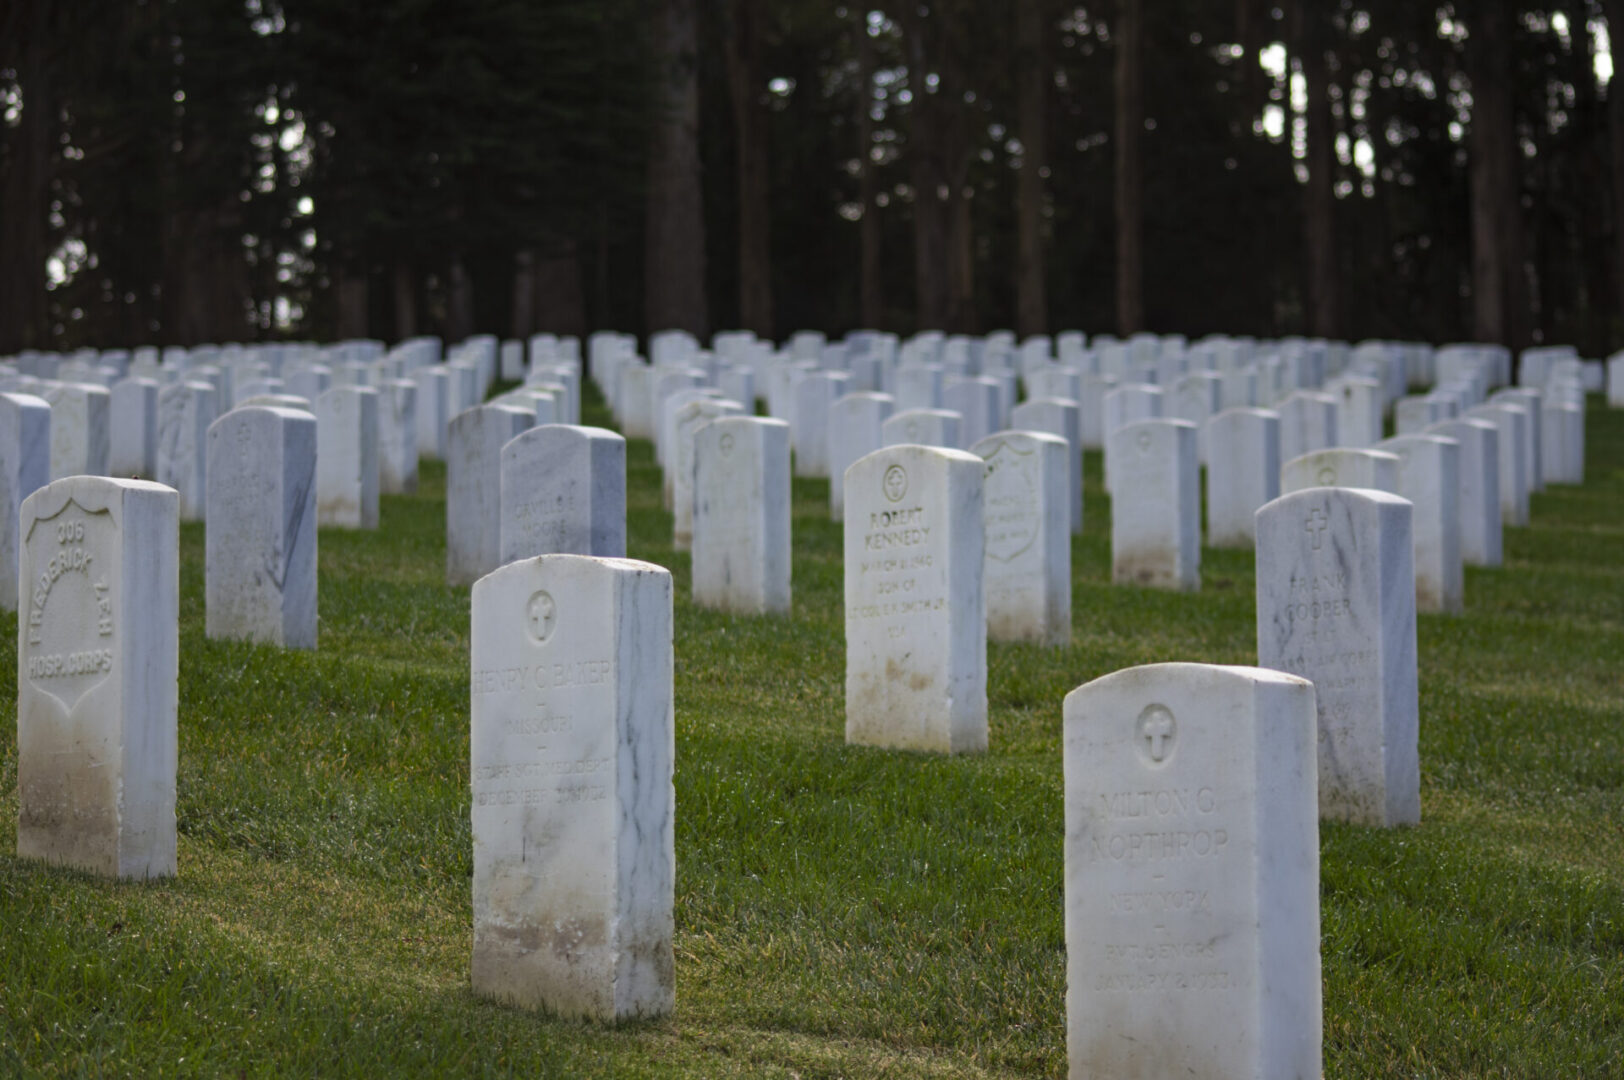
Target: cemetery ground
pixel 840 911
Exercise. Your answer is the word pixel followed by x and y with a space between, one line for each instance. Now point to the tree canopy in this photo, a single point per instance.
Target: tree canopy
pixel 178 171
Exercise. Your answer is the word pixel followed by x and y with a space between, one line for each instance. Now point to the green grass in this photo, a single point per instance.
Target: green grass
pixel 840 912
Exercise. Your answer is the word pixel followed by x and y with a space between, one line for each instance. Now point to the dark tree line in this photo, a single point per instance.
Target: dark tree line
pixel 180 171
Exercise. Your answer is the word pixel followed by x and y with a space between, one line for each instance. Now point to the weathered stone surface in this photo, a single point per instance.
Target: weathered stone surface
pixel 1429 476
pixel 1243 473
pixel 79 428
pixel 572 749
pixel 1341 467
pixel 25 467
pixel 689 419
pixel 1336 606
pixel 133 438
pixel 1063 418
pixel 741 527
pixel 397 437
pixel 916 622
pixel 473 489
pixel 856 428
pixel 260 547
pixel 1307 422
pixel 1156 509
pixel 563 492
pixel 1027 570
pixel 1192 875
pixel 185 411
pixel 923 427
pixel 347 458
pixel 812 395
pixel 1478 489
pixel 97 676
pixel 1512 422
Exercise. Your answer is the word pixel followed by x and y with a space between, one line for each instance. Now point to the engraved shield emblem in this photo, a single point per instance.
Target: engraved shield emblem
pixel 67 609
pixel 1010 497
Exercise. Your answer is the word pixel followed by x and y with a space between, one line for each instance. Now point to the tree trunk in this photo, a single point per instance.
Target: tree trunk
pixel 1615 130
pixel 25 176
pixel 1319 210
pixel 459 315
pixel 1032 80
pixel 524 295
pixel 405 289
pixel 560 299
pixel 674 295
pixel 750 128
pixel 870 288
pixel 928 174
pixel 1499 275
pixel 350 292
pixel 1130 126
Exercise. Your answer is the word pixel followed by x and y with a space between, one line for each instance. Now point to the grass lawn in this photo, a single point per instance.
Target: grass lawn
pixel 840 912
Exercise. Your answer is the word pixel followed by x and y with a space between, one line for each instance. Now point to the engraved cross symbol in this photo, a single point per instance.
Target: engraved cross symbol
pixel 542 612
pixel 1157 730
pixel 1317 524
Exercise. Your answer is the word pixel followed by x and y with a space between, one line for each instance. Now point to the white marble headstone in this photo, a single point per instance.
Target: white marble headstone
pixel 916 623
pixel 25 467
pixel 260 546
pixel 1243 473
pixel 1192 875
pixel 572 750
pixel 1429 476
pixel 1336 606
pixel 1060 417
pixel 79 428
pixel 133 438
pixel 741 507
pixel 97 676
pixel 1156 508
pixel 397 437
pixel 1341 467
pixel 185 411
pixel 347 457
pixel 1478 488
pixel 1027 570
pixel 563 492
pixel 925 427
pixel 473 489
pixel 856 428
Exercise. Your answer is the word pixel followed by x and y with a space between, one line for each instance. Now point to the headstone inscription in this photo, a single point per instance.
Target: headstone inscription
pixel 1336 606
pixel 1191 875
pixel 916 623
pixel 97 676
pixel 572 753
